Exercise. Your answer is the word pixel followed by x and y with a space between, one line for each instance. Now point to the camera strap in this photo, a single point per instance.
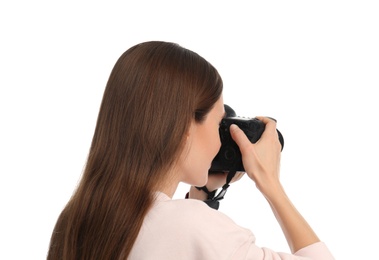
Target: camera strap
pixel 215 201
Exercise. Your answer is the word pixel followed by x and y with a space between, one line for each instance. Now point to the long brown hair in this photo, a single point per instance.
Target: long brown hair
pixel 153 93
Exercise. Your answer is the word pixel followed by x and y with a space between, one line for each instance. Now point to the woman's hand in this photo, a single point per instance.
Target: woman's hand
pixel 262 159
pixel 262 162
pixel 215 181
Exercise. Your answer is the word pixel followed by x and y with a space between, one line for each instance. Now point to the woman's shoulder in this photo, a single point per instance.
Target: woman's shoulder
pixel 194 216
pixel 189 229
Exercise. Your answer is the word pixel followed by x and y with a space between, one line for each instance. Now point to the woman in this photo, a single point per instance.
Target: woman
pixel 158 126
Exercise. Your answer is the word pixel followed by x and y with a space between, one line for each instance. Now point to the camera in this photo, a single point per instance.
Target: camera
pixel 229 156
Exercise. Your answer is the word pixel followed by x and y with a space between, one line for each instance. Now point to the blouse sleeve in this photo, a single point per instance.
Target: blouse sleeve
pixel 316 251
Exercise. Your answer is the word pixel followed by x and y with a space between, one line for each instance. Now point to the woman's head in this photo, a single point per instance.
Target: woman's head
pixel 157 93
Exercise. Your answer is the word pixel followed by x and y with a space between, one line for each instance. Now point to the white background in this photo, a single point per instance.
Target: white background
pixel 312 65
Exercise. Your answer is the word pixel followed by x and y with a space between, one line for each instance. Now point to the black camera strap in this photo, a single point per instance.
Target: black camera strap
pixel 215 201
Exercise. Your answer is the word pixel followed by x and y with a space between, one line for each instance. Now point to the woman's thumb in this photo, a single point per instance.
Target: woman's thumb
pixel 239 137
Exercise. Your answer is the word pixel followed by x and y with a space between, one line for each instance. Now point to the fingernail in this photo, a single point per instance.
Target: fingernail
pixel 233 127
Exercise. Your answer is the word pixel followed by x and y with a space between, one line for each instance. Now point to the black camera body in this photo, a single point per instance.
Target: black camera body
pixel 229 157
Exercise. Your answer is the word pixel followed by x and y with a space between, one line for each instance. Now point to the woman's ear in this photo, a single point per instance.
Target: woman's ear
pixel 191 130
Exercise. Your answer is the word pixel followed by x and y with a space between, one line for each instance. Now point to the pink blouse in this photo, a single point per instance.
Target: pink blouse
pixel 188 229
